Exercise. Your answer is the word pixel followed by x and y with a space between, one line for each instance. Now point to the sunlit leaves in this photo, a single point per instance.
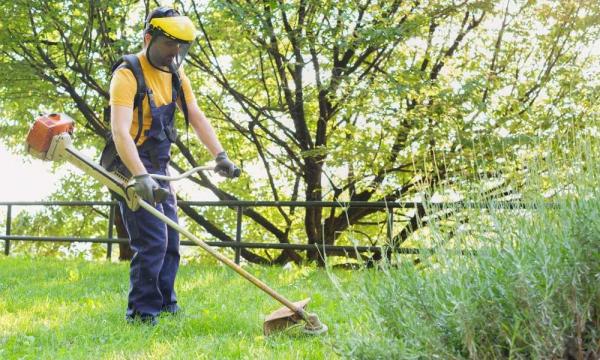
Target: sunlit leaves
pixel 367 97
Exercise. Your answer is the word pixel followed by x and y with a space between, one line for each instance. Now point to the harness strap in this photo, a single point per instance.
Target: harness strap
pixel 133 64
pixel 176 81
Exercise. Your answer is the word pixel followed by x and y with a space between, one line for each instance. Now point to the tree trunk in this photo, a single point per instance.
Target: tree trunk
pixel 313 216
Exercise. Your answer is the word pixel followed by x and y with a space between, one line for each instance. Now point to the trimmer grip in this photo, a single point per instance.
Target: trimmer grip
pixel 236 173
pixel 161 194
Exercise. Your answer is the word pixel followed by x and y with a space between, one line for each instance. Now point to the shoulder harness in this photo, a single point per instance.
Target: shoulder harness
pixel 132 62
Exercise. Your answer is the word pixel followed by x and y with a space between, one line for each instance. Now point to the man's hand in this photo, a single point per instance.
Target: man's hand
pixel 225 167
pixel 144 186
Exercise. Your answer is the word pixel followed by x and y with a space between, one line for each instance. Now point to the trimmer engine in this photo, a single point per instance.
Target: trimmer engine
pixel 44 129
pixel 50 139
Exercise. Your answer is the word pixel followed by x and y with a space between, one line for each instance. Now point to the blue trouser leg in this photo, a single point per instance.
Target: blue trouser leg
pixel 148 240
pixel 171 259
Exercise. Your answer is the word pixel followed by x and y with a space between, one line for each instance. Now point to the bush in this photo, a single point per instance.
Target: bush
pixel 532 293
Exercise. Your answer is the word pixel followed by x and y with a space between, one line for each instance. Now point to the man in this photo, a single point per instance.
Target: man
pixel 145 148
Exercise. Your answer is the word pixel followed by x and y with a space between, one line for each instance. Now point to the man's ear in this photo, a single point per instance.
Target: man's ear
pixel 147 38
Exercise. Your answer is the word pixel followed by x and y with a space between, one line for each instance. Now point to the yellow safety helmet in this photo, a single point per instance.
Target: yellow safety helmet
pixel 177 27
pixel 172 36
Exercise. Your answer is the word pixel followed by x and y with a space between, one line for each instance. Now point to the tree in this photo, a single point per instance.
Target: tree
pixel 324 100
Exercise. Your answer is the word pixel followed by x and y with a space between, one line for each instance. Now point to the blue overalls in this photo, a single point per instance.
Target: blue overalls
pixel 155 245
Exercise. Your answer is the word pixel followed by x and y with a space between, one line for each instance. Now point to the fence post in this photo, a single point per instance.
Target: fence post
pixel 390 234
pixel 238 235
pixel 390 225
pixel 111 221
pixel 8 220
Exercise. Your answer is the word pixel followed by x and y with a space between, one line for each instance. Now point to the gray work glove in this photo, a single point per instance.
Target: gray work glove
pixel 225 167
pixel 144 186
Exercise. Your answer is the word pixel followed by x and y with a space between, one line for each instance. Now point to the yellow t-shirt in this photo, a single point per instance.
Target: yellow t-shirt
pixel 123 87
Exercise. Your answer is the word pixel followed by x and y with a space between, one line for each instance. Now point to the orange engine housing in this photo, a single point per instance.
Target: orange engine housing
pixel 45 128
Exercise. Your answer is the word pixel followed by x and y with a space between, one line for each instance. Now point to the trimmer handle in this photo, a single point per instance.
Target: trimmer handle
pixel 236 173
pixel 182 176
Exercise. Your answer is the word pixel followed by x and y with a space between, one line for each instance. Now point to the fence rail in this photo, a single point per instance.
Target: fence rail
pixel 239 206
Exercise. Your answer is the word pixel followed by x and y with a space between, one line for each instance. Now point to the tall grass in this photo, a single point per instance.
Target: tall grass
pixel 532 289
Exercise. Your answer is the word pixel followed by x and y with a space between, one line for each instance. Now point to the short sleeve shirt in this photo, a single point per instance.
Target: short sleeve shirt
pixel 123 88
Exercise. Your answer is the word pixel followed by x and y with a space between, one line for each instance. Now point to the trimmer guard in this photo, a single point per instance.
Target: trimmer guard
pixel 283 318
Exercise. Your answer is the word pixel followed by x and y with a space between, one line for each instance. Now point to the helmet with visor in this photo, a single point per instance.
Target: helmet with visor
pixel 172 36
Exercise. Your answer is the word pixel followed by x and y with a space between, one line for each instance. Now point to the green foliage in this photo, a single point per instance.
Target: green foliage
pixel 440 95
pixel 330 100
pixel 55 57
pixel 530 291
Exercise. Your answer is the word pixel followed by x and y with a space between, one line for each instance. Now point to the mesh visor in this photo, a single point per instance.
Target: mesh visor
pixel 164 52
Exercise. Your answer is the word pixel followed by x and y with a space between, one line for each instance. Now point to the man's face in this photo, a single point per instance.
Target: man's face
pixel 163 50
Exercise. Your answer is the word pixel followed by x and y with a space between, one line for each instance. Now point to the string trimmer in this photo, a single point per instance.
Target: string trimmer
pixel 50 139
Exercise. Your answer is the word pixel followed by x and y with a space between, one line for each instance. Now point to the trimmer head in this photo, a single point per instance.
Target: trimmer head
pixel 284 318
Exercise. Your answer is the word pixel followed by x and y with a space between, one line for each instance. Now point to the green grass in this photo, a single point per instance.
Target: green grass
pixel 55 309
pixel 531 291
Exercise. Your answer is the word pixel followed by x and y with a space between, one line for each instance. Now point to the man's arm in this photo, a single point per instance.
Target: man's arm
pixel 120 123
pixel 203 129
pixel 207 135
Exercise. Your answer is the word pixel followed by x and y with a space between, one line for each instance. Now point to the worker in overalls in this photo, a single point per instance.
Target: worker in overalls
pixel 142 112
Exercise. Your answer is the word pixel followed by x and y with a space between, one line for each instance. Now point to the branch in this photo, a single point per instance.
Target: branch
pixel 462 33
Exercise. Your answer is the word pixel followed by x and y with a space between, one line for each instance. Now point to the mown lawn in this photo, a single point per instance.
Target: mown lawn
pixel 54 309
